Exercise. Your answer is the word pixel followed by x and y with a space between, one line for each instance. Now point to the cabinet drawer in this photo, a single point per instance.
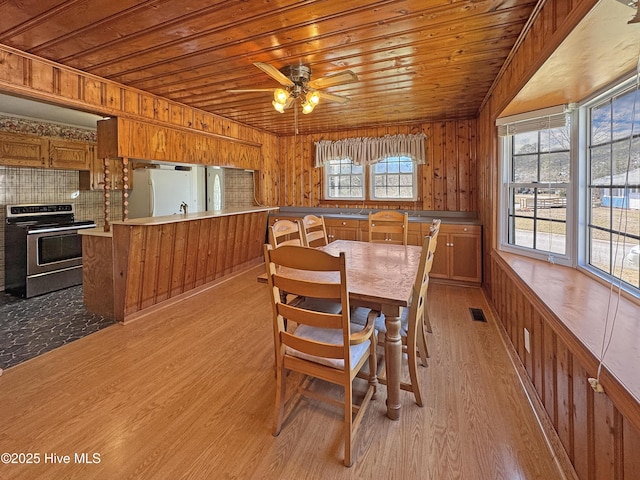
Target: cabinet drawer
pixel 339 222
pixel 457 229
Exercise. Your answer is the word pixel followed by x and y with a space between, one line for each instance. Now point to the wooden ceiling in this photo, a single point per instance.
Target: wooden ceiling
pixel 417 60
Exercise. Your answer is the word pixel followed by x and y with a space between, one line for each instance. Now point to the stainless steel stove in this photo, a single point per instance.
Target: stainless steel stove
pixel 43 250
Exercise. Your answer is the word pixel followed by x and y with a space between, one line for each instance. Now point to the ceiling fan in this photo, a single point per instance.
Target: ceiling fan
pixel 297 83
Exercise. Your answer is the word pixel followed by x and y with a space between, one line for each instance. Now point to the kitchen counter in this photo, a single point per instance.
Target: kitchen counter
pixel 176 218
pixel 145 262
pixel 415 216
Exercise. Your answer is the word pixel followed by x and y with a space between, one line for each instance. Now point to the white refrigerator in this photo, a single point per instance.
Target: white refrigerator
pixel 162 190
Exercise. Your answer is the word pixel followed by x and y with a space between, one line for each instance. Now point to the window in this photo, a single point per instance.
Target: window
pixel 538 175
pixel 393 178
pixel 613 197
pixel 344 180
pixel 592 159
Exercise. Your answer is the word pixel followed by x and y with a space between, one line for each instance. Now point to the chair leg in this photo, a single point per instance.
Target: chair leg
pixel 348 424
pixel 426 320
pixel 280 400
pixel 412 360
pixel 423 349
pixel 373 366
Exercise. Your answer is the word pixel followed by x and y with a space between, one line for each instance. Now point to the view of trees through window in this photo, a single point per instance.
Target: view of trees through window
pixel 614 187
pixel 393 178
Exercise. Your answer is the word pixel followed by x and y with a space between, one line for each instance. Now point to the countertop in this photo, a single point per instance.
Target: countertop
pixel 176 218
pixel 416 216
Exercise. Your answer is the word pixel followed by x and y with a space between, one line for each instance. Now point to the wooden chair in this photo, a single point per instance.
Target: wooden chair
pixel 314 231
pixel 411 323
pixel 434 229
pixel 324 345
pixel 285 232
pixel 388 226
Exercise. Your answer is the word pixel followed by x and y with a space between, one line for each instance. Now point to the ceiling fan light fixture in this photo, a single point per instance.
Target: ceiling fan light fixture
pixel 307 107
pixel 313 98
pixel 278 106
pixel 280 95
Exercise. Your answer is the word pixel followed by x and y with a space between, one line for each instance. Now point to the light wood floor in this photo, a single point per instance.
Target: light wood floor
pixel 189 394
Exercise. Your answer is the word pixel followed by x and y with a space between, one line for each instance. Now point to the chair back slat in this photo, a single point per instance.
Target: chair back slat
pixel 388 226
pixel 285 232
pixel 314 231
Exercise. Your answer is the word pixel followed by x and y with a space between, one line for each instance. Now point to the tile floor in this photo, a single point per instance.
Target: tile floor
pixel 33 326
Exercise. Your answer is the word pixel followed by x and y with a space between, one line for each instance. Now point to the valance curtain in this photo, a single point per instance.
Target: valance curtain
pixel 368 150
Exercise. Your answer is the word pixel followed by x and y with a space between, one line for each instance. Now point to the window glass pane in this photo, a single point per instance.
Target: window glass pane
pixel 343 179
pixel 622 115
pixel 554 167
pixel 601 165
pixel 394 178
pixel 601 124
pixel 525 143
pixel 525 169
pixel 555 139
pixel 600 214
pixel 599 251
pixel 524 232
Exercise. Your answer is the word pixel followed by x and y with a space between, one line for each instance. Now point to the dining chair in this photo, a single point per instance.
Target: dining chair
pixel 434 230
pixel 388 226
pixel 314 231
pixel 411 323
pixel 285 232
pixel 325 346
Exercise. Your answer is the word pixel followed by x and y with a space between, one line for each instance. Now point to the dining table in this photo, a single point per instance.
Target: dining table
pixel 380 276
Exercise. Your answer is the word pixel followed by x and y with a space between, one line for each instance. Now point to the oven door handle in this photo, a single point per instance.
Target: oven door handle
pixel 59 229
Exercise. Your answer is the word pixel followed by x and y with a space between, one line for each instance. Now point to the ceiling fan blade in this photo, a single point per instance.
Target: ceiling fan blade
pixel 339 78
pixel 332 98
pixel 241 90
pixel 274 73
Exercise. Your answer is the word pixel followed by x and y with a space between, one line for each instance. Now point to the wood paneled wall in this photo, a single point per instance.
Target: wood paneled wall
pixel 157 262
pixel 447 179
pixel 600 441
pixel 40 79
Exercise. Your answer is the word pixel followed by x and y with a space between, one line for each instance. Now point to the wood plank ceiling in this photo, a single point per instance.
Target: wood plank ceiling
pixel 417 60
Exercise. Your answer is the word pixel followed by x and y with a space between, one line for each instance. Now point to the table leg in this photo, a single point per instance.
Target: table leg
pixel 393 362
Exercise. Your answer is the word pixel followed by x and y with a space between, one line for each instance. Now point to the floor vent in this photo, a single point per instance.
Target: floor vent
pixel 477 315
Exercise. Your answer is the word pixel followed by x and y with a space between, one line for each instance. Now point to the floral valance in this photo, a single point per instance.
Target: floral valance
pixel 368 150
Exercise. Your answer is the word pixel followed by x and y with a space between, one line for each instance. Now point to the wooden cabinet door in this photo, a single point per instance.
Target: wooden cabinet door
pixel 23 150
pixel 458 255
pixel 69 155
pixel 341 229
pixel 414 235
pixel 466 254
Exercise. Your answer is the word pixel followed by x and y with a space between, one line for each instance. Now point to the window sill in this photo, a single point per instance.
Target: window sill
pixel 576 307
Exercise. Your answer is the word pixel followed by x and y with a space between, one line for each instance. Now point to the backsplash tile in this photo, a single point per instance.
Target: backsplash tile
pixel 20 185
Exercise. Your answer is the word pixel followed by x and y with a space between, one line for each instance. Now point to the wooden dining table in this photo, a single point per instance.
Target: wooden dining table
pixel 381 276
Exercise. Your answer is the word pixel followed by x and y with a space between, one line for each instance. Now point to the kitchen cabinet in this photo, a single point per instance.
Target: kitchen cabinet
pixel 94 178
pixel 23 150
pixel 69 155
pixel 414 235
pixel 458 256
pixel 341 229
pixel 32 151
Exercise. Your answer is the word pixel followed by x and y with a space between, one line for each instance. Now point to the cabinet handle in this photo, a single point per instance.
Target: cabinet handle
pixel 344 223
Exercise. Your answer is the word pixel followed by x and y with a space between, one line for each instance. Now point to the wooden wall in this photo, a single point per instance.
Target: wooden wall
pixel 600 441
pixel 39 79
pixel 447 180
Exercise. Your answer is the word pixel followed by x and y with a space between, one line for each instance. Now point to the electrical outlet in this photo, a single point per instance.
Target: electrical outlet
pixel 527 341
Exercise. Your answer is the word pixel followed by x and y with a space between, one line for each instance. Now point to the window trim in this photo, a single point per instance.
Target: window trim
pixel 504 153
pixel 367 173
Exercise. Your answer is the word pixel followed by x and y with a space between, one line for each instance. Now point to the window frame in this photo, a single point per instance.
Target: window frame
pixel 327 186
pixel 579 207
pixel 414 180
pixel 617 88
pixel 504 222
pixel 368 185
